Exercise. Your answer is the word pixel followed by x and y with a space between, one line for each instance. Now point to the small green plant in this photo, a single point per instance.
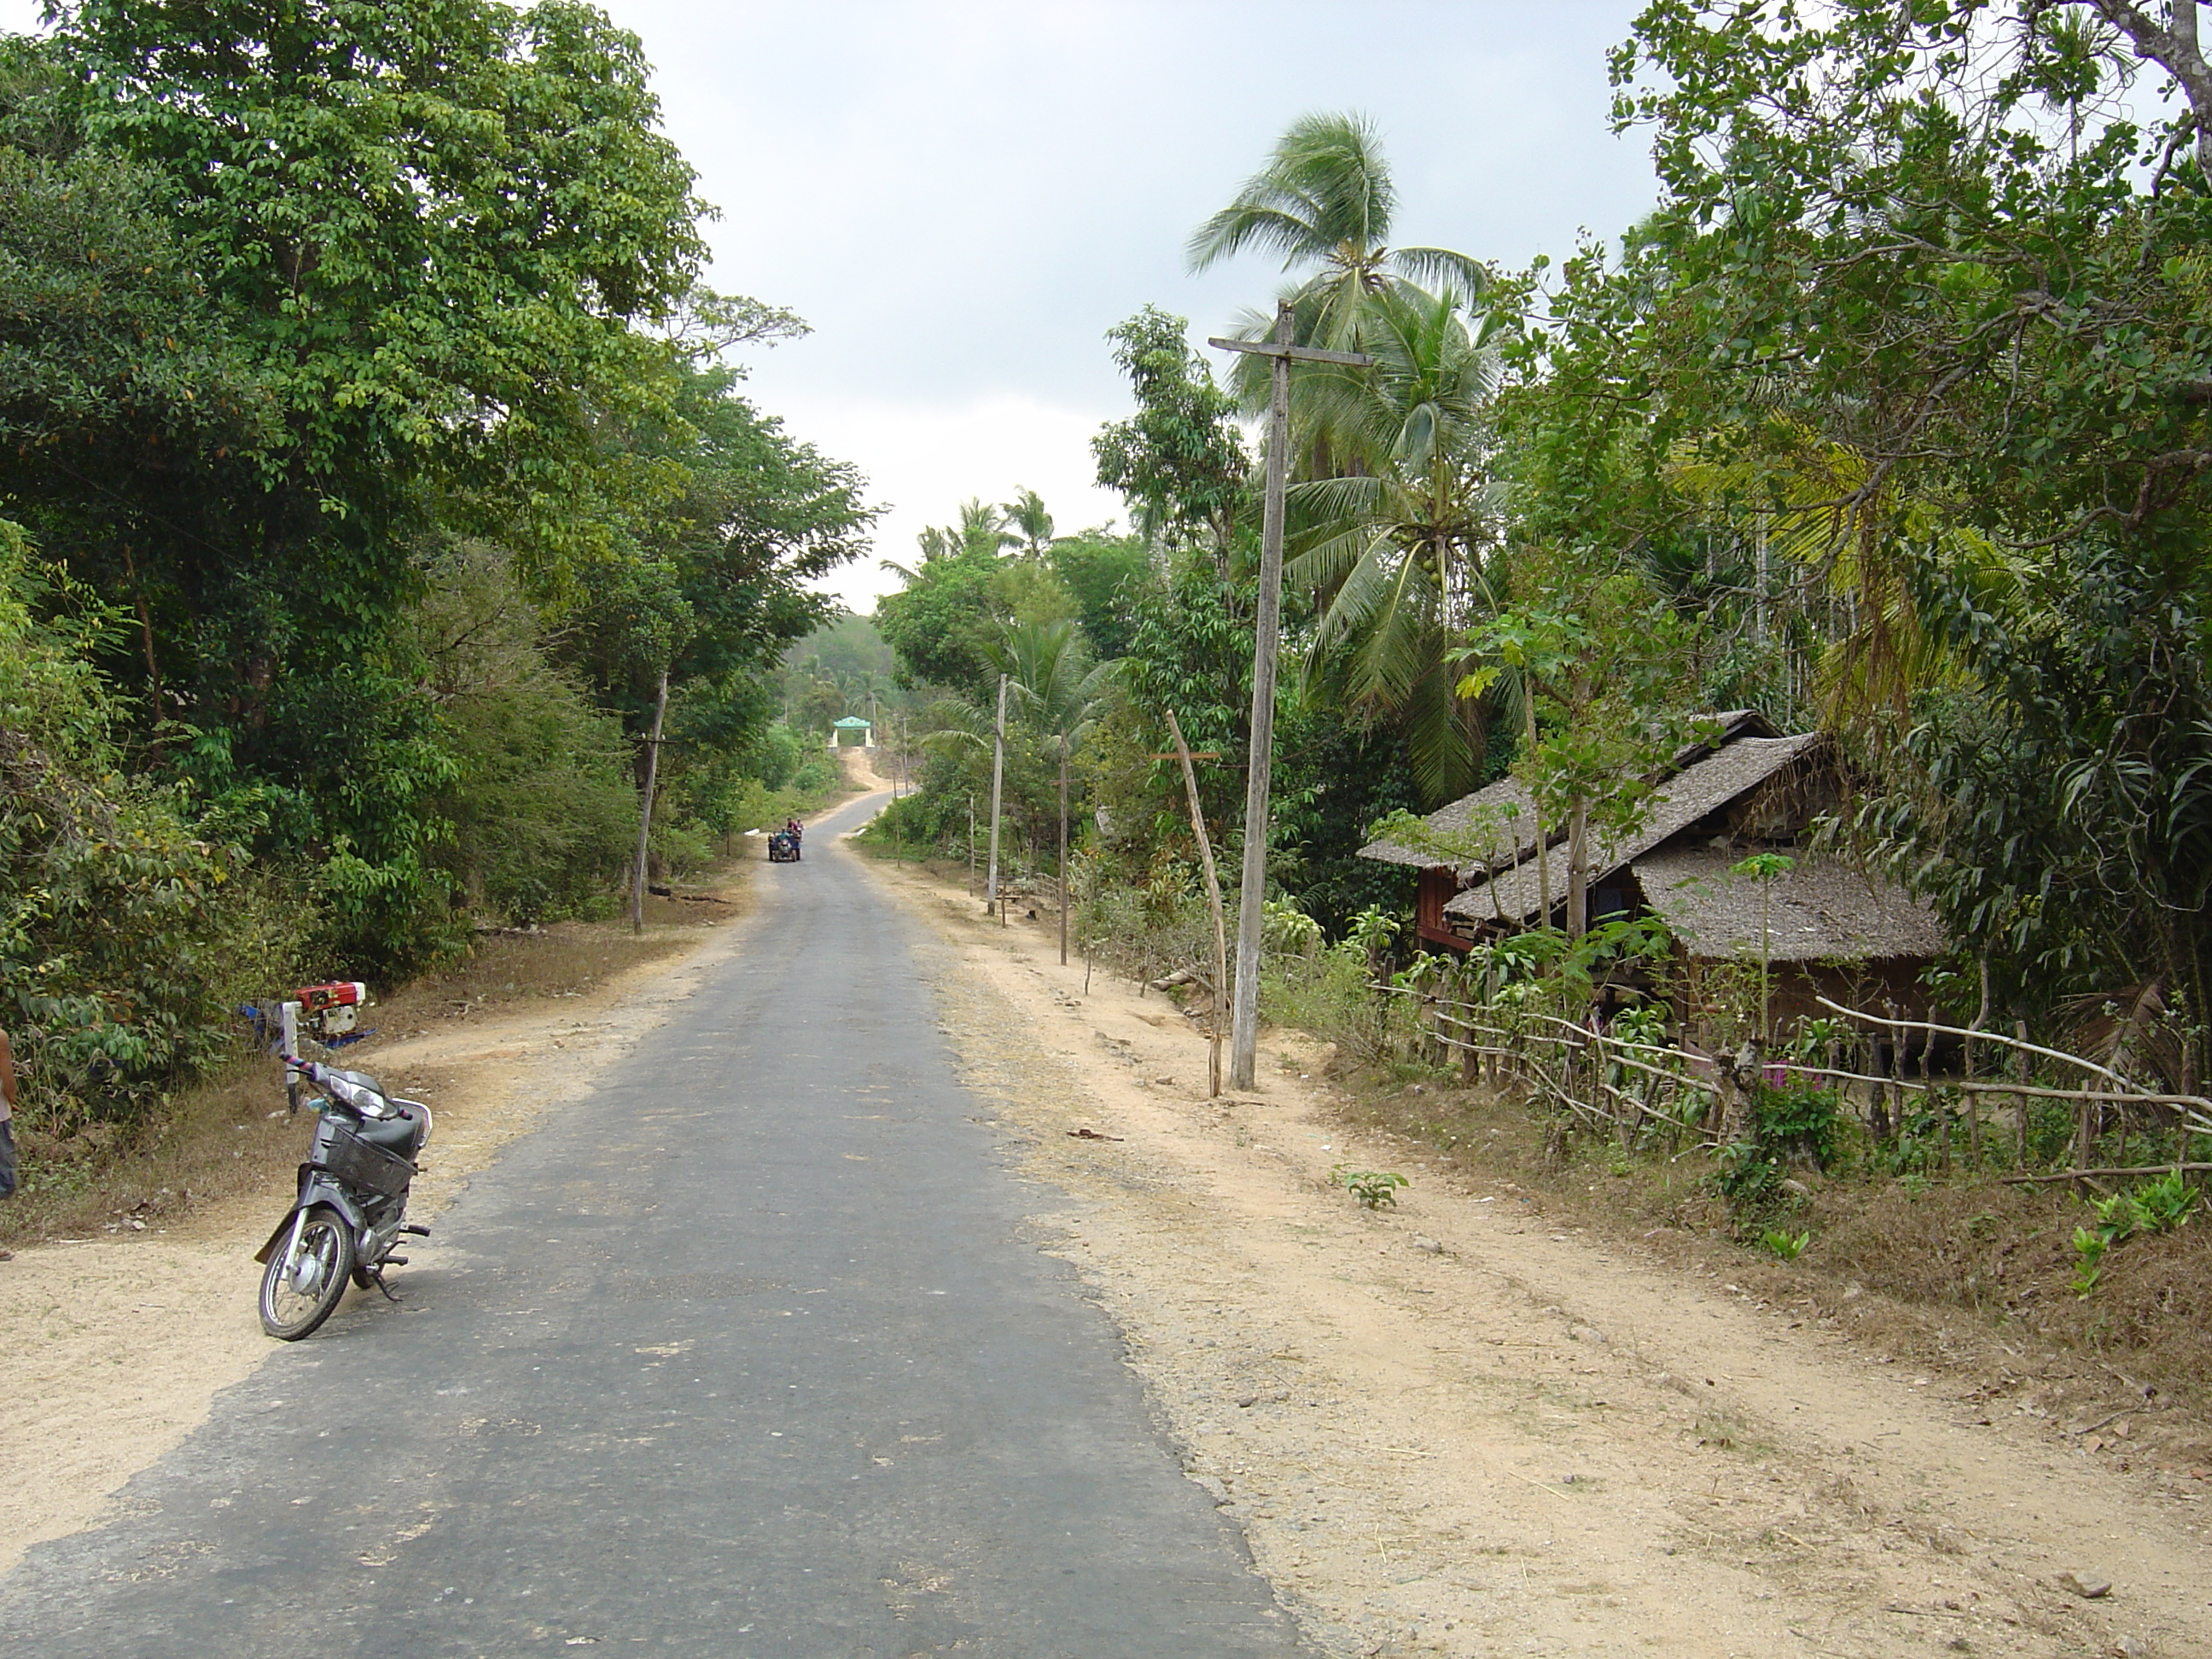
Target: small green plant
pixel 2164 1205
pixel 1816 1041
pixel 1795 1117
pixel 1646 1024
pixel 1748 1178
pixel 1786 1245
pixel 2160 1208
pixel 2090 1244
pixel 1372 933
pixel 1373 1188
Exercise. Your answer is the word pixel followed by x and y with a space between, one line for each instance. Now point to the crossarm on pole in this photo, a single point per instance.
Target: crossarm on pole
pixel 1299 354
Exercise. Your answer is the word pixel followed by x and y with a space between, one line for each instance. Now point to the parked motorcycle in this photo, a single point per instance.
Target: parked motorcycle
pixel 352 1207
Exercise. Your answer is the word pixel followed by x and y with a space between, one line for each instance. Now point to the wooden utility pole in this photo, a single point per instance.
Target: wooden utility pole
pixel 997 774
pixel 1213 902
pixel 1268 628
pixel 645 807
pixel 1063 849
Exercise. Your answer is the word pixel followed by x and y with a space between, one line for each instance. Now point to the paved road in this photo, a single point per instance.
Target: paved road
pixel 747 1354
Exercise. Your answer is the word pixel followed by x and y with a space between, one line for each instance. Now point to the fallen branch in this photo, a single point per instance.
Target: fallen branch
pixel 2101 1175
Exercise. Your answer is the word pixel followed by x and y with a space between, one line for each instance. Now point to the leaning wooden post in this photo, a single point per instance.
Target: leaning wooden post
pixel 997 774
pixel 1267 624
pixel 645 807
pixel 1214 904
pixel 1063 849
pixel 1973 1111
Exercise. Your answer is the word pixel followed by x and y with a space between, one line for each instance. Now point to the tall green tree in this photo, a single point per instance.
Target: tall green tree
pixel 1929 254
pixel 1031 523
pixel 416 252
pixel 1180 460
pixel 1325 199
pixel 1396 550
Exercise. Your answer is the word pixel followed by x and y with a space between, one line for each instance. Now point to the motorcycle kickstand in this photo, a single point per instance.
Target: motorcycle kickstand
pixel 376 1278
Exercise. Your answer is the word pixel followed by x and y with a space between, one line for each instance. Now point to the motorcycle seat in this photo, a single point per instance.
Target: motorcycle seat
pixel 401 1133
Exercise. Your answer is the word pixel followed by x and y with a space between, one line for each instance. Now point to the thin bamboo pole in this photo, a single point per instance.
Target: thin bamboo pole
pixel 998 776
pixel 1214 904
pixel 645 806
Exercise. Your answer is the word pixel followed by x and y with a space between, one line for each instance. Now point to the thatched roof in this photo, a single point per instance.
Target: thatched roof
pixel 1506 802
pixel 1704 787
pixel 1823 909
pixel 1489 807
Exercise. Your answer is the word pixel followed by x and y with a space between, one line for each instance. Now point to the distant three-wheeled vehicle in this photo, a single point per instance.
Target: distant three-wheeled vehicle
pixel 783 846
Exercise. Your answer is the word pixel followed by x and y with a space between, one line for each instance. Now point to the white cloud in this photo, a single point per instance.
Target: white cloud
pixel 923 461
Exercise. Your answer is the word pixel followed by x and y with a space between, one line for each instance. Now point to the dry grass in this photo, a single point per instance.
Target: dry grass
pixel 217 1142
pixel 228 1137
pixel 1974 1278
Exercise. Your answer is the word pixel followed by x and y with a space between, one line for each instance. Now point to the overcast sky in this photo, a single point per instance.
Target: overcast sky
pixel 962 197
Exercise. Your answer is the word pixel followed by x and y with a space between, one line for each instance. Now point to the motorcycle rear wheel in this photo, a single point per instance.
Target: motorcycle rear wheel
pixel 300 1288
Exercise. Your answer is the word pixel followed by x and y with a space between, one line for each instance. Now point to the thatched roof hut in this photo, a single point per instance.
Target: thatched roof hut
pixel 1499 821
pixel 1706 787
pixel 1821 910
pixel 1750 789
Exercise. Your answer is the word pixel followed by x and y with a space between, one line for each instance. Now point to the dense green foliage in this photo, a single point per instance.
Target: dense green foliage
pixel 1922 310
pixel 125 917
pixel 358 389
pixel 1891 418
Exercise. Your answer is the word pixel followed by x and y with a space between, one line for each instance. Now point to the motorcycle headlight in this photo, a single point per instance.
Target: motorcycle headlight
pixel 358 1096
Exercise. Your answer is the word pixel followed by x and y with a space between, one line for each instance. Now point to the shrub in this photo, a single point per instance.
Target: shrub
pixel 123 915
pixel 541 808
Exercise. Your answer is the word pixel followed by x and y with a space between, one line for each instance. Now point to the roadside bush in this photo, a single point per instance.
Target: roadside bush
pixel 678 849
pixel 818 775
pixel 124 917
pixel 541 808
pixel 1149 929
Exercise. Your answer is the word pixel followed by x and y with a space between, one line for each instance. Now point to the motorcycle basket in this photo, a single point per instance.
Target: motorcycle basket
pixel 356 1163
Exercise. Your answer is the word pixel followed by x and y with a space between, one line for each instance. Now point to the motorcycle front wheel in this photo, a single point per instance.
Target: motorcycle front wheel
pixel 302 1285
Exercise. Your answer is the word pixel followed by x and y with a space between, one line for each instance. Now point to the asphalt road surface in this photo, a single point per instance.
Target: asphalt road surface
pixel 748 1354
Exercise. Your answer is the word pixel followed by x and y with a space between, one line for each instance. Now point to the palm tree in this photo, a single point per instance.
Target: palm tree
pixel 1394 553
pixel 1831 552
pixel 1053 689
pixel 1325 199
pixel 1031 523
pixel 981 529
pixel 984 528
pixel 1056 697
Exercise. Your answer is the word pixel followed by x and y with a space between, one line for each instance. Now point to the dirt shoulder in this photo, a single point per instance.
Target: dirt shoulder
pixel 1458 1428
pixel 114 1347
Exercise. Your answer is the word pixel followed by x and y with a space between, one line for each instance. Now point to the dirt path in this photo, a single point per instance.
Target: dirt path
pixel 860 766
pixel 1454 1429
pixel 111 1349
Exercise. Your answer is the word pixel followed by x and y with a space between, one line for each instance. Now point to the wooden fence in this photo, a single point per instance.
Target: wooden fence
pixel 1693 1100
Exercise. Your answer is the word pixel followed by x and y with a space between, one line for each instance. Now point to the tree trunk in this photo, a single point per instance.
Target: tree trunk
pixel 1579 869
pixel 1214 904
pixel 998 776
pixel 645 807
pixel 1543 853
